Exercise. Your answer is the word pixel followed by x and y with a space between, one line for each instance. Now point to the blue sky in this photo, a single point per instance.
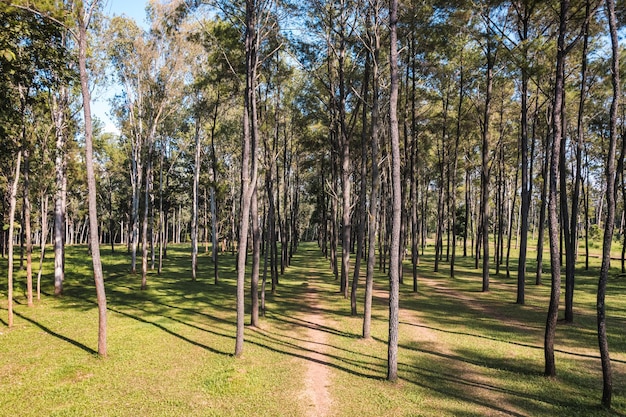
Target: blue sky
pixel 131 8
pixel 134 9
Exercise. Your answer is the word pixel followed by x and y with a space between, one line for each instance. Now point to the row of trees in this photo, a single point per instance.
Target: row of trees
pixel 374 128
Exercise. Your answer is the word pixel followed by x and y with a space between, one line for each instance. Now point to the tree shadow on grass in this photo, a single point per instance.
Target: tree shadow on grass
pixel 511 342
pixel 57 335
pixel 271 341
pixel 173 333
pixel 283 317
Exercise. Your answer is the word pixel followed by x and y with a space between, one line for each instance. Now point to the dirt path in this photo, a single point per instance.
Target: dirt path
pixel 316 395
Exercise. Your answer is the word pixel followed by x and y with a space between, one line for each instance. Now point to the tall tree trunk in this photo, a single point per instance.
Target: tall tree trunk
pixel 362 193
pixel 553 215
pixel 523 18
pixel 394 263
pixel 441 156
pixel 162 217
pixel 12 204
pixel 455 162
pixel 484 178
pixel 248 165
pixel 60 104
pixel 346 172
pixel 146 218
pixel 195 203
pixel 607 378
pixel 83 20
pixel 573 226
pixel 213 196
pixel 27 228
pixel 374 40
pixel 44 236
pixel 256 260
pixel 543 205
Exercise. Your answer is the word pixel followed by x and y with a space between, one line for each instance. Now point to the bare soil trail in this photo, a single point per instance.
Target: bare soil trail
pixel 316 394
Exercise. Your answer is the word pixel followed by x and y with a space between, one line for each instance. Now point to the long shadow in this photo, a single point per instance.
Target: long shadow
pixel 155 300
pixel 172 333
pixel 309 324
pixel 161 327
pixel 510 342
pixel 57 335
pixel 429 377
pixel 307 358
pixel 354 362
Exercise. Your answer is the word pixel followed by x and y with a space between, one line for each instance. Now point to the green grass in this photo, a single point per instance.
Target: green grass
pixel 462 352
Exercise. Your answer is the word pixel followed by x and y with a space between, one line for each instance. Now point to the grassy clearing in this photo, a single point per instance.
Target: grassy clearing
pixel 462 352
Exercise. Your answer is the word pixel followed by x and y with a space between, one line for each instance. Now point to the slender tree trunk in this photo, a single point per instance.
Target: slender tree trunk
pixel 441 156
pixel 484 179
pixel 512 205
pixel 44 236
pixel 60 104
pixel 12 204
pixel 195 203
pixel 542 209
pixel 213 196
pixel 455 162
pixel 524 17
pixel 146 217
pixel 162 217
pixel 256 260
pixel 84 17
pixel 362 194
pixel 248 172
pixel 394 263
pixel 573 226
pixel 607 378
pixel 586 202
pixel 27 230
pixel 553 215
pixel 374 40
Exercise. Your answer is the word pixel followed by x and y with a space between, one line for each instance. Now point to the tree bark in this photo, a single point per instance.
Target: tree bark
pixel 27 229
pixel 394 263
pixel 607 378
pixel 248 166
pixel 523 18
pixel 44 236
pixel 60 104
pixel 195 203
pixel 83 21
pixel 484 178
pixel 12 204
pixel 374 41
pixel 553 215
pixel 362 194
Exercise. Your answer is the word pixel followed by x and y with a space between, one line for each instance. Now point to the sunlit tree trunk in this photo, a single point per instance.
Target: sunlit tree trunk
pixel 607 378
pixel 524 11
pixel 44 237
pixel 362 194
pixel 84 17
pixel 374 42
pixel 12 204
pixel 394 263
pixel 59 104
pixel 248 172
pixel 553 214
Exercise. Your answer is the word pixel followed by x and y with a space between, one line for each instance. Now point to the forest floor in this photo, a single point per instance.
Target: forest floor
pixel 462 352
